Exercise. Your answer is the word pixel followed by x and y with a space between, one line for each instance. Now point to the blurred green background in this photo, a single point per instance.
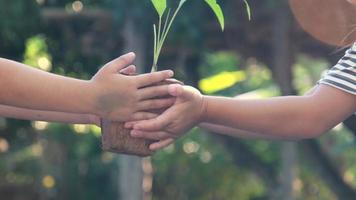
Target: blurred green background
pixel 267 56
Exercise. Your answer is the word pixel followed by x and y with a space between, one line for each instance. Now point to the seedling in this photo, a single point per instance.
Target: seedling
pixel 165 21
pixel 116 138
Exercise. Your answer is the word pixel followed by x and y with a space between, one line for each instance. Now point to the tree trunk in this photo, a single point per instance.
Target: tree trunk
pixel 130 167
pixel 282 72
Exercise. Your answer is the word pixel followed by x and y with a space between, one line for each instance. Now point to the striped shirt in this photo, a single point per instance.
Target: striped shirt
pixel 343 74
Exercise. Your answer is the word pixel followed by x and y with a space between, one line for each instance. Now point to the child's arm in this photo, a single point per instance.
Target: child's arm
pixel 109 94
pixel 290 117
pixel 49 116
pixel 282 117
pixel 234 132
pixel 243 133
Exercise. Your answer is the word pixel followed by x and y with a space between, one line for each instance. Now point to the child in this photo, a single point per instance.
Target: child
pixel 28 93
pixel 293 117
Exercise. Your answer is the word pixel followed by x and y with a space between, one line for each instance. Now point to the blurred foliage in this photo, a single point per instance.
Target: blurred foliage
pixel 14 29
pixel 55 161
pixel 189 170
pixel 36 53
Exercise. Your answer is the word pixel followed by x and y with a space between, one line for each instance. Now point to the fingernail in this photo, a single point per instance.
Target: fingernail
pixel 131 54
pixel 170 73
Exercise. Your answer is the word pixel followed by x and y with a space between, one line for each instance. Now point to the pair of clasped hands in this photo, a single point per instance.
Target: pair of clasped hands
pixel 182 104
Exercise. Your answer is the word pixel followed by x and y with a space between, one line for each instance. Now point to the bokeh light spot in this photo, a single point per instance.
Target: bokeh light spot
pixel 221 81
pixel 39 125
pixel 77 6
pixel 4 145
pixel 81 128
pixel 48 181
pixel 44 63
pixel 191 147
pixel 37 150
pixel 206 157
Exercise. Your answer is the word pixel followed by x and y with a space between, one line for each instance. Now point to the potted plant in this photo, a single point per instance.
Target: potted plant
pixel 115 138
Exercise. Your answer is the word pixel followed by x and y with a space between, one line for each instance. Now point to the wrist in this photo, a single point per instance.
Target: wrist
pixel 203 117
pixel 89 98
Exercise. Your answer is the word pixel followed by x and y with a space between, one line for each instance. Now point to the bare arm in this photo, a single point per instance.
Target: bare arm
pixel 49 116
pixel 27 87
pixel 284 117
pixel 234 132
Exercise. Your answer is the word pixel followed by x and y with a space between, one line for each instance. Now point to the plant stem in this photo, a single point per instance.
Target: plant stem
pixel 154 65
pixel 161 36
pixel 161 42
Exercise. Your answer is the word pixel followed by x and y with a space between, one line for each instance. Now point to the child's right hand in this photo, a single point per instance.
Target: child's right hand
pixel 119 97
pixel 187 111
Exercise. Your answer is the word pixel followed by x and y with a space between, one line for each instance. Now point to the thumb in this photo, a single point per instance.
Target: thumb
pixel 120 63
pixel 175 90
pixel 180 91
pixel 130 70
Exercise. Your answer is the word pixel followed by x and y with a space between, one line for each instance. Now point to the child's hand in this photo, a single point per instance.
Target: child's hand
pixel 119 97
pixel 186 112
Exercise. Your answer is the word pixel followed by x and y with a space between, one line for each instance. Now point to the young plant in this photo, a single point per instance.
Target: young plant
pixel 166 20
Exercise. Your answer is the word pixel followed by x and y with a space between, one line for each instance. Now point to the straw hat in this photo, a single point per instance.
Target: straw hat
pixel 330 21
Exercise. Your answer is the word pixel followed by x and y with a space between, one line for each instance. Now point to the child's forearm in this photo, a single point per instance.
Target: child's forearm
pixel 288 117
pixel 234 132
pixel 49 116
pixel 278 116
pixel 27 87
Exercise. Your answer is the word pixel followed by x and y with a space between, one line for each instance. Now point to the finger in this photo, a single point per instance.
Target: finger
pixel 142 116
pixel 151 135
pixel 130 70
pixel 130 124
pixel 175 90
pixel 152 78
pixel 154 124
pixel 119 63
pixel 153 104
pixel 161 144
pixel 153 92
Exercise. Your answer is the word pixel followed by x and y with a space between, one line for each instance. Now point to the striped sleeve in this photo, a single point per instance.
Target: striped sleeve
pixel 343 74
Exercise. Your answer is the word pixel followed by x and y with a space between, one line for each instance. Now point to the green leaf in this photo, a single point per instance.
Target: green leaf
pixel 218 12
pixel 160 6
pixel 248 9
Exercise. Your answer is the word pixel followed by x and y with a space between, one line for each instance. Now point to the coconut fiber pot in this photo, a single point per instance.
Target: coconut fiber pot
pixel 117 139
